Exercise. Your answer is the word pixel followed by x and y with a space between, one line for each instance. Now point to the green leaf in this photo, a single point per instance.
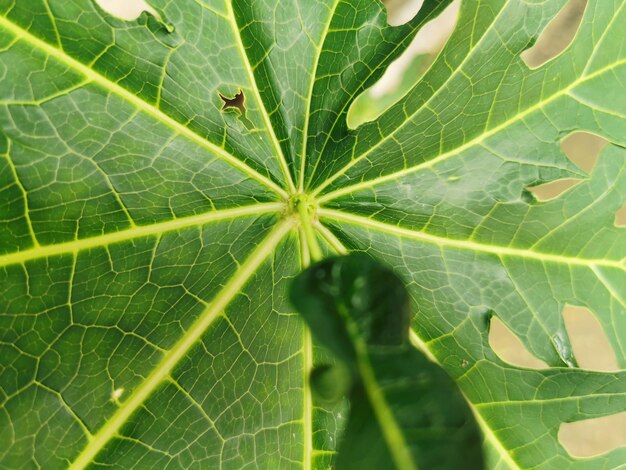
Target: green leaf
pixel 148 237
pixel 359 310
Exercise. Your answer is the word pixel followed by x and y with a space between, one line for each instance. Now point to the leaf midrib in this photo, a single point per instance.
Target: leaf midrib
pixel 173 356
pixel 305 133
pixel 75 246
pixel 500 251
pixel 114 88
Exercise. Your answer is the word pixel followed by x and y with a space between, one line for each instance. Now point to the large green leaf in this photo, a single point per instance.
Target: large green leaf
pixel 148 237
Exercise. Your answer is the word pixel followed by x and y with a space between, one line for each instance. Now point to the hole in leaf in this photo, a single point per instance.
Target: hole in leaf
pixel 595 436
pixel 509 347
pixel 620 217
pixel 556 36
pixel 553 189
pixel 236 102
pixel 126 9
pixel 402 11
pixel 583 149
pixel 589 342
pixel 405 71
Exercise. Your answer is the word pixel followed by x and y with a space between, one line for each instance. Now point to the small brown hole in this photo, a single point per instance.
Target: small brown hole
pixel 509 347
pixel 595 436
pixel 589 342
pixel 556 36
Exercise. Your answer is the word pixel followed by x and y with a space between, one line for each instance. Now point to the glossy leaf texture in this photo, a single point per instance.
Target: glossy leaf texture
pixel 405 412
pixel 148 237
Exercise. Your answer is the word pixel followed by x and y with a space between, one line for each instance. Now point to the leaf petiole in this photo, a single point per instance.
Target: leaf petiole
pixel 304 207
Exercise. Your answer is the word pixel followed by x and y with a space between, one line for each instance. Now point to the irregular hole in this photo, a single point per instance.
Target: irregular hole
pixel 595 436
pixel 509 347
pixel 405 71
pixel 589 341
pixel 126 9
pixel 557 35
pixel 402 11
pixel 620 217
pixel 237 102
pixel 553 189
pixel 583 149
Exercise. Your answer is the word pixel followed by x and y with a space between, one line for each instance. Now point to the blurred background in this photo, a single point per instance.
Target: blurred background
pixel 591 346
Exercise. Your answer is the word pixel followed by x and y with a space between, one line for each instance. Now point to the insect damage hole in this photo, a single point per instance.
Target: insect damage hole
pixel 589 342
pixel 583 149
pixel 402 11
pixel 556 36
pixel 126 9
pixel 595 436
pixel 404 72
pixel 236 103
pixel 509 347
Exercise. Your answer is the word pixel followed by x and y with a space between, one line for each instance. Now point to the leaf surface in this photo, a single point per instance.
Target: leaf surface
pixel 148 237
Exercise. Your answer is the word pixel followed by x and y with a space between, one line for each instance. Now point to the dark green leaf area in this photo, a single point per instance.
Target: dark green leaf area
pixel 405 411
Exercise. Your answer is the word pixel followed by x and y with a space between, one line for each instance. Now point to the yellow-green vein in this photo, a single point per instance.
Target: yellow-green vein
pixel 500 251
pixel 171 358
pixel 307 359
pixel 349 101
pixel 305 131
pixel 75 246
pixel 257 96
pixel 116 89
